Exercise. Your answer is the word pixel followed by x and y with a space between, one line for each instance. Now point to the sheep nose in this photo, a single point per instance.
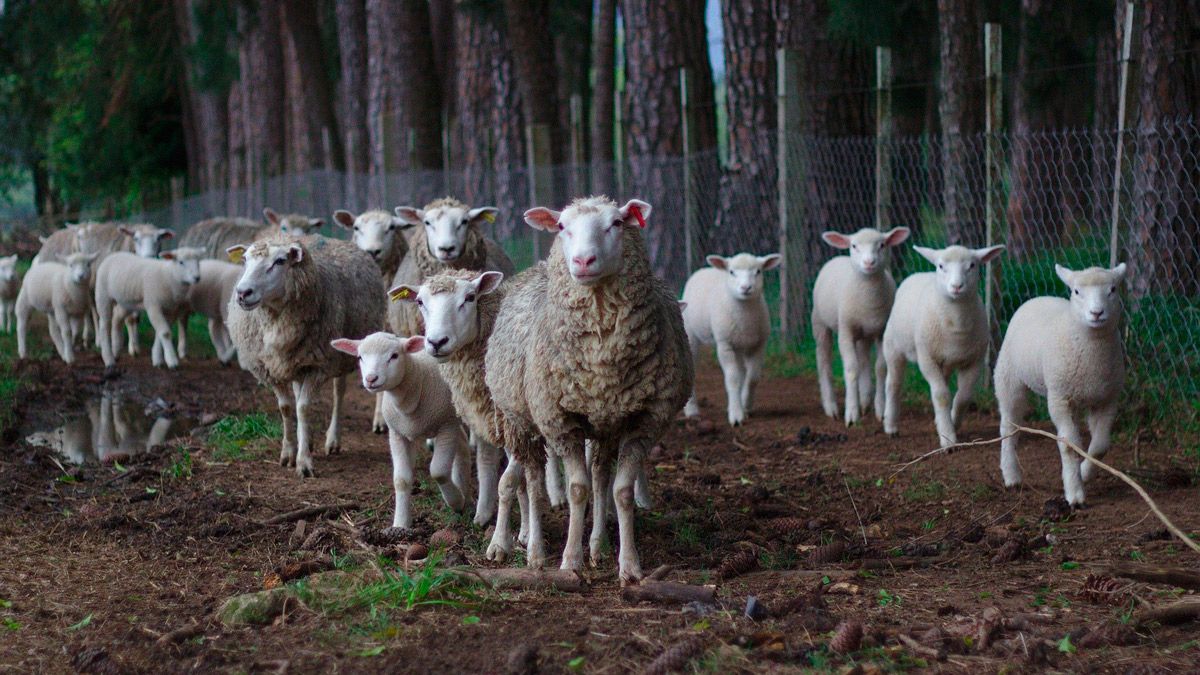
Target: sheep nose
pixel 956 287
pixel 371 380
pixel 745 289
pixel 438 343
pixel 446 249
pixel 244 293
pixel 582 262
pixel 1096 313
pixel 375 253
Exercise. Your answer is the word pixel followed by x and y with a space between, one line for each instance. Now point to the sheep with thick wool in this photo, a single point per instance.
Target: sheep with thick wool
pixel 217 235
pixel 60 291
pixel 295 295
pixel 938 320
pixel 1070 351
pixel 592 345
pixel 726 308
pixel 416 406
pixel 10 286
pixel 853 297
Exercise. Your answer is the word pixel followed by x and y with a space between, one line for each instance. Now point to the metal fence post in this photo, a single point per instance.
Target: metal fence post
pixel 884 130
pixel 537 138
pixel 993 57
pixel 687 127
pixel 790 187
pixel 1130 33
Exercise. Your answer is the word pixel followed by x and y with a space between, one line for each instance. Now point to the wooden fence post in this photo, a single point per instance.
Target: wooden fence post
pixel 619 141
pixel 688 128
pixel 791 199
pixel 884 132
pixel 993 119
pixel 577 178
pixel 177 202
pixel 1128 46
pixel 414 180
pixel 537 138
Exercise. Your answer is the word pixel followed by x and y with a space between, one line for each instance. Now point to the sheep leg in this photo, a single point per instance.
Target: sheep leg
pixel 754 363
pixel 402 477
pixel 487 466
pixel 162 333
pixel 1067 429
pixel 304 394
pixel 880 380
pixel 967 379
pixel 1099 423
pixel 601 464
pixel 287 413
pixel 333 435
pixel 522 504
pixel 378 424
pixel 446 446
pixel 692 408
pixel 4 312
pixel 104 333
pixel 629 567
pixel 939 391
pixel 641 489
pixel 554 482
pixel 731 366
pixel 500 547
pixel 22 327
pixel 1013 404
pixel 130 319
pixel 56 335
pixel 866 390
pixel 61 323
pixel 181 339
pixel 535 485
pixel 578 484
pixel 460 471
pixel 156 352
pixel 848 349
pixel 824 339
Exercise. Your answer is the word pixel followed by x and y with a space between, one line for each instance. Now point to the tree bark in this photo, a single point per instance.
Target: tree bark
pixel 260 58
pixel 604 43
pixel 571 25
pixel 352 48
pixel 208 110
pixel 961 113
pixel 528 26
pixel 311 91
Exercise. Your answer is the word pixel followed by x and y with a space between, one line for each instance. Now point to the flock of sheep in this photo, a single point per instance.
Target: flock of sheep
pixel 577 364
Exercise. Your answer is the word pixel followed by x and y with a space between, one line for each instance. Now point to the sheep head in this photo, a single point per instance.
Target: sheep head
pixel 447 223
pixel 744 278
pixel 958 267
pixel 293 224
pixel 264 277
pixel 1094 299
pixel 382 358
pixel 372 231
pixel 450 308
pixel 591 232
pixel 147 239
pixel 868 247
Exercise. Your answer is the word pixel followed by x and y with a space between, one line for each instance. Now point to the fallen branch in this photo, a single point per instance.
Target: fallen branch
pixel 1176 612
pixel 896 563
pixel 861 529
pixel 1175 576
pixel 945 451
pixel 522 579
pixel 669 592
pixel 920 649
pixel 180 634
pixel 310 512
pixel 660 572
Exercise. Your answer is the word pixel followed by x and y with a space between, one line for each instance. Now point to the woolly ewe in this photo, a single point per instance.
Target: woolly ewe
pixel 1069 351
pixel 853 297
pixel 417 406
pixel 726 308
pixel 61 292
pixel 10 285
pixel 938 321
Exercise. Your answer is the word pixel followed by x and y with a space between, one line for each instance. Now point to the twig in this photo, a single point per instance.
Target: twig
pixel 946 450
pixel 920 649
pixel 309 512
pixel 861 529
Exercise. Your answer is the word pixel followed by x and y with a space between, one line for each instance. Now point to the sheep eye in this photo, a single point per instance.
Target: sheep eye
pixel 419 303
pixel 941 266
pixel 854 246
pixel 470 297
pixel 394 357
pixel 427 223
pixel 1076 290
pixel 971 266
pixel 757 272
pixel 356 228
pixel 1112 290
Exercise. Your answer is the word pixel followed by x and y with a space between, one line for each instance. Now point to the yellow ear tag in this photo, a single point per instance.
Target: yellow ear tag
pixel 236 256
pixel 489 216
pixel 401 294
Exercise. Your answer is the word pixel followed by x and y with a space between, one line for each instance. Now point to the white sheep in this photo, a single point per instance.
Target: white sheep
pixel 938 320
pixel 217 235
pixel 726 308
pixel 592 345
pixel 210 297
pixel 159 286
pixel 292 225
pixel 853 297
pixel 417 406
pixel 1069 351
pixel 10 286
pixel 61 292
pixel 294 296
pixel 147 242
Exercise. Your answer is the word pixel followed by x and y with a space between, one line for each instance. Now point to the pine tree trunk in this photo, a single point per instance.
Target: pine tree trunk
pixel 604 43
pixel 210 120
pixel 528 29
pixel 475 35
pixel 508 140
pixel 572 29
pixel 260 57
pixel 312 92
pixel 352 48
pixel 961 112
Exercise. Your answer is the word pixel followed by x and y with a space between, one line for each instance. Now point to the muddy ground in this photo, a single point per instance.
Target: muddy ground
pixel 943 567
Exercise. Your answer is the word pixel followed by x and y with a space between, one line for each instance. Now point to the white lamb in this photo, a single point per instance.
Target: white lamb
pixel 938 320
pixel 159 286
pixel 210 296
pixel 416 406
pixel 1069 351
pixel 61 292
pixel 10 286
pixel 853 297
pixel 726 308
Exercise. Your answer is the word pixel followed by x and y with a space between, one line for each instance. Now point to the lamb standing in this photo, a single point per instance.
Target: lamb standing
pixel 853 297
pixel 1069 351
pixel 10 286
pixel 938 321
pixel 61 292
pixel 294 296
pixel 592 346
pixel 417 406
pixel 726 308
pixel 210 296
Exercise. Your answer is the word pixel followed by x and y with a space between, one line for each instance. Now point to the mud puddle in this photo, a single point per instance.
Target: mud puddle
pixel 108 426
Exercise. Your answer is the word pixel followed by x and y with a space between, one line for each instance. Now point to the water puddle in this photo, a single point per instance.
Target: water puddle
pixel 110 427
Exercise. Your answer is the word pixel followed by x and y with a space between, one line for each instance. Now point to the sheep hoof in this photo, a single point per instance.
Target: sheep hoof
pixel 631 576
pixel 496 552
pixel 333 448
pixel 305 471
pixel 379 428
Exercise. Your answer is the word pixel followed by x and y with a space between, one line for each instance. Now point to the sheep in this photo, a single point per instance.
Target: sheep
pixel 417 406
pixel 210 296
pixel 59 244
pixel 938 321
pixel 727 309
pixel 61 292
pixel 1069 351
pixel 157 285
pixel 147 243
pixel 459 309
pixel 217 235
pixel 10 285
pixel 853 297
pixel 592 345
pixel 294 296
pixel 448 235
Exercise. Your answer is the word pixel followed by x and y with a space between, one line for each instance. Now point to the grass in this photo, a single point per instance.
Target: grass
pixel 233 437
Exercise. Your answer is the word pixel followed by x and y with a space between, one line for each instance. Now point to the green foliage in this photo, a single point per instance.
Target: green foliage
pixel 231 435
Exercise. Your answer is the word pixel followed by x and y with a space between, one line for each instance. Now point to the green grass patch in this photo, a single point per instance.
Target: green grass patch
pixel 233 438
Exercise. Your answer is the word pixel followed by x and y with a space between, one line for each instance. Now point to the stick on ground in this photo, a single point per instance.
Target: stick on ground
pixel 310 512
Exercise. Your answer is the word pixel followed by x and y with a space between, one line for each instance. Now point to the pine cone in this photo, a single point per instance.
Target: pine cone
pixel 800 602
pixel 444 538
pixel 829 553
pixel 787 528
pixel 676 657
pixel 386 536
pixel 1103 590
pixel 737 563
pixel 847 638
pixel 1113 635
pixel 1010 551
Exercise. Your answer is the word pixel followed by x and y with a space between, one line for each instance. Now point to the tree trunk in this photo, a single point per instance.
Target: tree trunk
pixel 445 53
pixel 262 81
pixel 662 36
pixel 1164 242
pixel 311 93
pixel 352 48
pixel 208 110
pixel 508 138
pixel 961 112
pixel 604 63
pixel 239 177
pixel 528 29
pixel 571 25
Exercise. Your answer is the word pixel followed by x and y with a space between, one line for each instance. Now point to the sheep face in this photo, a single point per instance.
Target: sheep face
pixel 868 247
pixel 446 226
pixel 958 267
pixel 79 266
pixel 185 264
pixel 591 234
pixel 450 311
pixel 8 268
pixel 1094 298
pixel 264 277
pixel 382 358
pixel 744 279
pixel 293 224
pixel 374 231
pixel 147 239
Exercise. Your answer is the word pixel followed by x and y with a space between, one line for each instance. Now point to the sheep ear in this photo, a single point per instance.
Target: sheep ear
pixel 542 218
pixel 487 282
pixel 414 344
pixel 125 231
pixel 411 215
pixel 167 255
pixel 1119 270
pixel 271 216
pixel 166 234
pixel 717 262
pixel 487 213
pixel 90 257
pixel 43 239
pixel 1063 273
pixel 897 236
pixel 836 239
pixel 345 345
pixel 344 218
pixel 236 253
pixel 400 224
pixel 403 293
pixel 295 254
pixel 635 212
pixel 927 253
pixel 770 262
pixel 315 223
pixel 682 305
pixel 986 255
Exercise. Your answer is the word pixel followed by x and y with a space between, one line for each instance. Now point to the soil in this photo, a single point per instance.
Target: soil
pixel 100 560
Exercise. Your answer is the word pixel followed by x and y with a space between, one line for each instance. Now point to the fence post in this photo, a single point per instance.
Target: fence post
pixel 577 163
pixel 1127 48
pixel 791 199
pixel 384 149
pixel 413 179
pixel 537 138
pixel 619 141
pixel 352 199
pixel 688 128
pixel 884 130
pixel 994 109
pixel 177 202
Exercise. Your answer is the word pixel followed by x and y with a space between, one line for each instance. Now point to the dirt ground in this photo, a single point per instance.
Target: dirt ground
pixel 943 568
